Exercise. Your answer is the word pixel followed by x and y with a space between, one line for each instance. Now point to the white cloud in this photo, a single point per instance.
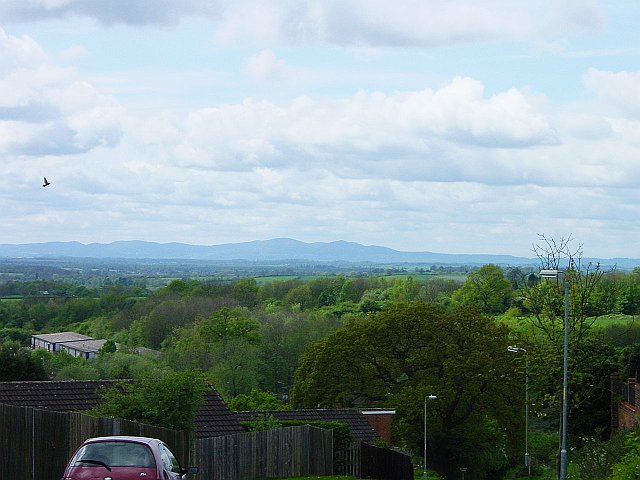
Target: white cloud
pixel 108 12
pixel 358 135
pixel 341 22
pixel 620 90
pixel 402 23
pixel 265 66
pixel 45 109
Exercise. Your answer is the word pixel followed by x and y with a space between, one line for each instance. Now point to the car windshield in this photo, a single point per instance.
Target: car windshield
pixel 115 454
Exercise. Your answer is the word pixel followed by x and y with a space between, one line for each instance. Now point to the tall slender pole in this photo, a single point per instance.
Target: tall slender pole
pixel 565 382
pixel 427 397
pixel 527 459
pixel 514 349
pixel 554 273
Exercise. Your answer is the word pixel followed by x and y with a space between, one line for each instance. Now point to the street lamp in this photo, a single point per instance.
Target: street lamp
pixel 554 273
pixel 527 460
pixel 428 397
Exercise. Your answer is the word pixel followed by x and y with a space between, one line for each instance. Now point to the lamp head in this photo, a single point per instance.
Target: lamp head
pixel 549 273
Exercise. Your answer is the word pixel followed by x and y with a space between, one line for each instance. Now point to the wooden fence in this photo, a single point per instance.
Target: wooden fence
pixel 36 444
pixel 281 452
pixel 346 460
pixel 384 464
pixel 362 460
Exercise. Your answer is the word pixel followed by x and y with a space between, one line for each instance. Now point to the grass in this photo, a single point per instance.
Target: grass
pixel 523 324
pixel 338 477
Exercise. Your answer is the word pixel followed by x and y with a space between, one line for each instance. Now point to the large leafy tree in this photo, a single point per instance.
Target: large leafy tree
pixel 225 345
pixel 398 356
pixel 19 363
pixel 169 400
pixel 486 288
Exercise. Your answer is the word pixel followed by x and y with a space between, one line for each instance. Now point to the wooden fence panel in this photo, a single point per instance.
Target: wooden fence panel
pixel 282 452
pixel 37 444
pixel 346 461
pixel 384 464
pixel 50 443
pixel 16 426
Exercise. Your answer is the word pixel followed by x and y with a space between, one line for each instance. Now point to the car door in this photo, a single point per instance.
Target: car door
pixel 171 466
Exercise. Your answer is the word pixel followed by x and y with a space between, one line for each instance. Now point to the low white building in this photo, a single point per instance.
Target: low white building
pixel 52 342
pixel 83 348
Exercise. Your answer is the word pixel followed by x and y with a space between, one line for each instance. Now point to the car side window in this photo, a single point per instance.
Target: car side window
pixel 168 459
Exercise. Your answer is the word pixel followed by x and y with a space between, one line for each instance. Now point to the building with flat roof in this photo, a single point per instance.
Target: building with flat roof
pixel 53 341
pixel 83 348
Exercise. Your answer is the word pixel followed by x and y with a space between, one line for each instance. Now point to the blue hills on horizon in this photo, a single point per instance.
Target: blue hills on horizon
pixel 277 249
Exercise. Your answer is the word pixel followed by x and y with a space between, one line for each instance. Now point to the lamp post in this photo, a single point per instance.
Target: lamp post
pixel 427 397
pixel 527 459
pixel 554 273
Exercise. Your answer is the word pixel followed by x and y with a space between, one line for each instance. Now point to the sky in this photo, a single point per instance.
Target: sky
pixel 451 126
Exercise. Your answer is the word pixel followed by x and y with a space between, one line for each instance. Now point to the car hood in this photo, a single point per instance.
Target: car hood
pixel 116 473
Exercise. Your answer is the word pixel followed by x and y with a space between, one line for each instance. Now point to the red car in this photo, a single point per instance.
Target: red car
pixel 124 458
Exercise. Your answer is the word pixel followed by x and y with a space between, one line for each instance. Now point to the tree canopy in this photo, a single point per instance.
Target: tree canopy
pixel 170 400
pixel 398 356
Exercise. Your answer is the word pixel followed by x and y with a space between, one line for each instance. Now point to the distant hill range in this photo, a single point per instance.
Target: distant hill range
pixel 278 249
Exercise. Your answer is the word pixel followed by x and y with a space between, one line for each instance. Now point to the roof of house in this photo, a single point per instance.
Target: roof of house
pixel 61 337
pixel 359 426
pixel 213 418
pixel 90 345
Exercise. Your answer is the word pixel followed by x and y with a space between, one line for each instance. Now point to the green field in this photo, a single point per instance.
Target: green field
pixel 523 323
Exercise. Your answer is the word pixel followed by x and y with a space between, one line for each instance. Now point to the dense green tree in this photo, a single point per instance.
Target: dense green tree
pixel 301 297
pixel 225 345
pixel 486 288
pixel 410 350
pixel 404 290
pixel 277 290
pixel 352 290
pixel 437 289
pixel 245 292
pixel 169 400
pixel 256 400
pixel 285 335
pixel 326 290
pixel 628 468
pixel 18 363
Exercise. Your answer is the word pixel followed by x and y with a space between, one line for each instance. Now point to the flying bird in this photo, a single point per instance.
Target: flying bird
pixel 46 182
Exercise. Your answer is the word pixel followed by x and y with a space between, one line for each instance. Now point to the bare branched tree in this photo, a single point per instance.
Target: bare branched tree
pixel 552 252
pixel 583 277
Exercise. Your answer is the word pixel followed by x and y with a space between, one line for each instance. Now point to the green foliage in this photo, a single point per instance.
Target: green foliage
pixel 299 297
pixel 18 363
pixel 285 334
pixel 629 467
pixel 595 458
pixel 169 400
pixel 631 360
pixel 486 288
pixel 245 291
pixel 543 448
pixel 108 347
pixel 255 400
pixel 412 349
pixel 341 433
pixel 264 421
pixel 225 344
